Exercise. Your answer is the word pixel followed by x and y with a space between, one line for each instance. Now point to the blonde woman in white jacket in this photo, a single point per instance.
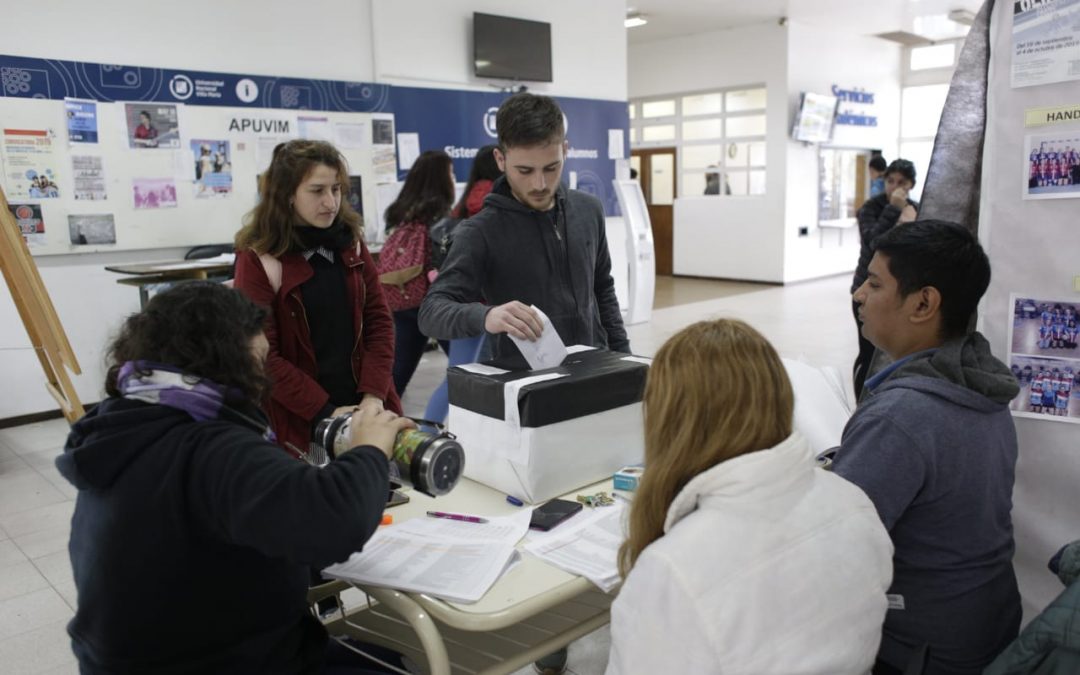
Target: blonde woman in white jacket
pixel 742 555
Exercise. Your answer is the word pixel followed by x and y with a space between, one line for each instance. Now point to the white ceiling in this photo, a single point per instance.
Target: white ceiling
pixel 672 18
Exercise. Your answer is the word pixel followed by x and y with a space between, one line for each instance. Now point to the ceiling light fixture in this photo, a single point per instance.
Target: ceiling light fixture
pixel 634 20
pixel 962 16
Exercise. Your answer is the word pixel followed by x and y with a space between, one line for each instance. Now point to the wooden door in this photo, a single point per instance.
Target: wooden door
pixel 656 171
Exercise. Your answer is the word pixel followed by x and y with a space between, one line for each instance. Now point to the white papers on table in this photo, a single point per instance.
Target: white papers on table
pixel 449 559
pixel 483 369
pixel 547 351
pixel 587 545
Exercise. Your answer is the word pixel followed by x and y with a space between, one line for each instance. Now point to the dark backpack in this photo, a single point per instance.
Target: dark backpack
pixel 441 234
pixel 403 265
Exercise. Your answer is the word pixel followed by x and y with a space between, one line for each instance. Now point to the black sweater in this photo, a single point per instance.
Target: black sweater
pixel 509 251
pixel 191 542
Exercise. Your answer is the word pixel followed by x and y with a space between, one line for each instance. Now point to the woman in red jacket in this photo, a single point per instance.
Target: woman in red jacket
pixel 301 252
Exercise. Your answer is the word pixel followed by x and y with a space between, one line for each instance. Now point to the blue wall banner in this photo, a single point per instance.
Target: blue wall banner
pixel 22 77
pixel 422 111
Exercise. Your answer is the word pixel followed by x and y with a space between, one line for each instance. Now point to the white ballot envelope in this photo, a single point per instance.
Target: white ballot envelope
pixel 548 351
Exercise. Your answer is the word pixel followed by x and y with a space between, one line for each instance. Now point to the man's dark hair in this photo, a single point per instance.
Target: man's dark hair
pixel 944 255
pixel 529 119
pixel 903 167
pixel 200 327
pixel 877 163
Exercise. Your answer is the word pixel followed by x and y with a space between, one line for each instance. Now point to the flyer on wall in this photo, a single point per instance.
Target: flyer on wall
pixel 1046 42
pixel 152 125
pixel 97 228
pixel 154 193
pixel 1044 358
pixel 30 164
pixel 1052 165
pixel 89 175
pixel 213 168
pixel 31 224
pixel 82 122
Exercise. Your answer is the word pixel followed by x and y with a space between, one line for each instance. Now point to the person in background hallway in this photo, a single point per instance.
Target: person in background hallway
pixel 485 171
pixel 876 170
pixel 877 216
pixel 932 443
pixel 193 533
pixel 742 556
pixel 302 254
pixel 426 196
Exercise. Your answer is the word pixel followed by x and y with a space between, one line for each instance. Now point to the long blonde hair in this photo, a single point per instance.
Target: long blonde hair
pixel 716 390
pixel 271 226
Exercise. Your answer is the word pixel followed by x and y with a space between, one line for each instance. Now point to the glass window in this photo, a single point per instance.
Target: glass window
pixel 633 135
pixel 658 132
pixel 693 184
pixel 757 182
pixel 703 129
pixel 658 108
pixel 700 156
pixel 753 125
pixel 747 99
pixel 702 104
pixel 745 154
pixel 662 179
pixel 632 108
pixel 920 110
pixel 933 56
pixel 737 183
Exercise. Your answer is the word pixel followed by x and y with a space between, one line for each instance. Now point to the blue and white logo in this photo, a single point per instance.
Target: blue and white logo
pixel 489 122
pixel 246 90
pixel 181 87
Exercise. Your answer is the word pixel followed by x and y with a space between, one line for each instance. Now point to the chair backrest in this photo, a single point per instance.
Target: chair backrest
pixel 207 251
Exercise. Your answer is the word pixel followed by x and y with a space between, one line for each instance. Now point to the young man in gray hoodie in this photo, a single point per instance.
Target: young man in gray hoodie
pixel 534 243
pixel 934 447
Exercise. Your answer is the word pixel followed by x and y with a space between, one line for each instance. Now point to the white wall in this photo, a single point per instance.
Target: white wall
pixel 818 59
pixel 325 39
pixel 588 39
pixel 712 236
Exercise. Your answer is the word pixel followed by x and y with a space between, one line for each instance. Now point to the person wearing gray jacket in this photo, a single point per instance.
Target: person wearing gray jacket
pixel 932 443
pixel 535 243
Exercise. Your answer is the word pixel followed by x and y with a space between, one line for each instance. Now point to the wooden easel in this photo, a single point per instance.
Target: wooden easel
pixel 38 315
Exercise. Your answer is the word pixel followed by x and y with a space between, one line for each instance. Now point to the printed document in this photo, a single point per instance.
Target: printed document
pixel 587 545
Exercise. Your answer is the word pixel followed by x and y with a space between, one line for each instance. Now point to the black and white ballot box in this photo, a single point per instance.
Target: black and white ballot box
pixel 538 434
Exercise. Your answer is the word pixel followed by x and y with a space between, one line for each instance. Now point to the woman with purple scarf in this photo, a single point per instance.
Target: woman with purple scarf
pixel 193 533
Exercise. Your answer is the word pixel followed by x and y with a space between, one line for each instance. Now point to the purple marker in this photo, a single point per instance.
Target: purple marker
pixel 457 516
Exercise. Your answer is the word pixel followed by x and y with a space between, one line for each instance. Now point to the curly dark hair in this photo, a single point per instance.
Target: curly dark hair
pixel 201 328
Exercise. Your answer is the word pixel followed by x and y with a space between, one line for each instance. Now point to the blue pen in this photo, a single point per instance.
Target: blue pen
pixel 514 500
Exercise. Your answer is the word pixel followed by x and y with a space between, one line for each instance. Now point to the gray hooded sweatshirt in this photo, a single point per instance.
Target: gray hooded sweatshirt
pixel 557 260
pixel 934 447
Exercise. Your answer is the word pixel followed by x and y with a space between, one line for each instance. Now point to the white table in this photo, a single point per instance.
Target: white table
pixel 531 611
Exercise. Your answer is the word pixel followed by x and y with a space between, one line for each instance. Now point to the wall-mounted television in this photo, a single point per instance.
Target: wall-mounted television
pixel 816 117
pixel 506 48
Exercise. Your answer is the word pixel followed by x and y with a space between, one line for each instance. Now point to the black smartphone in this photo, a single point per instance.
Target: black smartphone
pixel 551 514
pixel 396 498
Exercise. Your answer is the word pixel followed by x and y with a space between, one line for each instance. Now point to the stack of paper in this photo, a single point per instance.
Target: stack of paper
pixel 587 545
pixel 449 559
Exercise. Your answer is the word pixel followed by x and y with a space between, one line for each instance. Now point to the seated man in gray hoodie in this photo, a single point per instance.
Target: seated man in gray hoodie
pixel 534 243
pixel 934 447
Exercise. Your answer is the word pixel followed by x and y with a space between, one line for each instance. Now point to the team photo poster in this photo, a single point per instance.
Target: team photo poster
pixel 1045 359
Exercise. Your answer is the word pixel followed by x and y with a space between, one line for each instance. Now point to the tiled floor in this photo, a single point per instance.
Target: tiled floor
pixel 37 595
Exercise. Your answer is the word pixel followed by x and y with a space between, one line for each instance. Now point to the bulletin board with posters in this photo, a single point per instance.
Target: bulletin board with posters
pixel 96 157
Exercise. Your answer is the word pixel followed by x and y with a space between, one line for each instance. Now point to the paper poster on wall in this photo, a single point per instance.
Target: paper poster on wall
pixel 1052 165
pixel 152 125
pixel 615 144
pixel 92 229
pixel 82 125
pixel 88 173
pixel 31 224
pixel 212 168
pixel 315 128
pixel 154 193
pixel 1046 42
pixel 1045 358
pixel 356 193
pixel 382 132
pixel 408 148
pixel 384 161
pixel 30 164
pixel 350 135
